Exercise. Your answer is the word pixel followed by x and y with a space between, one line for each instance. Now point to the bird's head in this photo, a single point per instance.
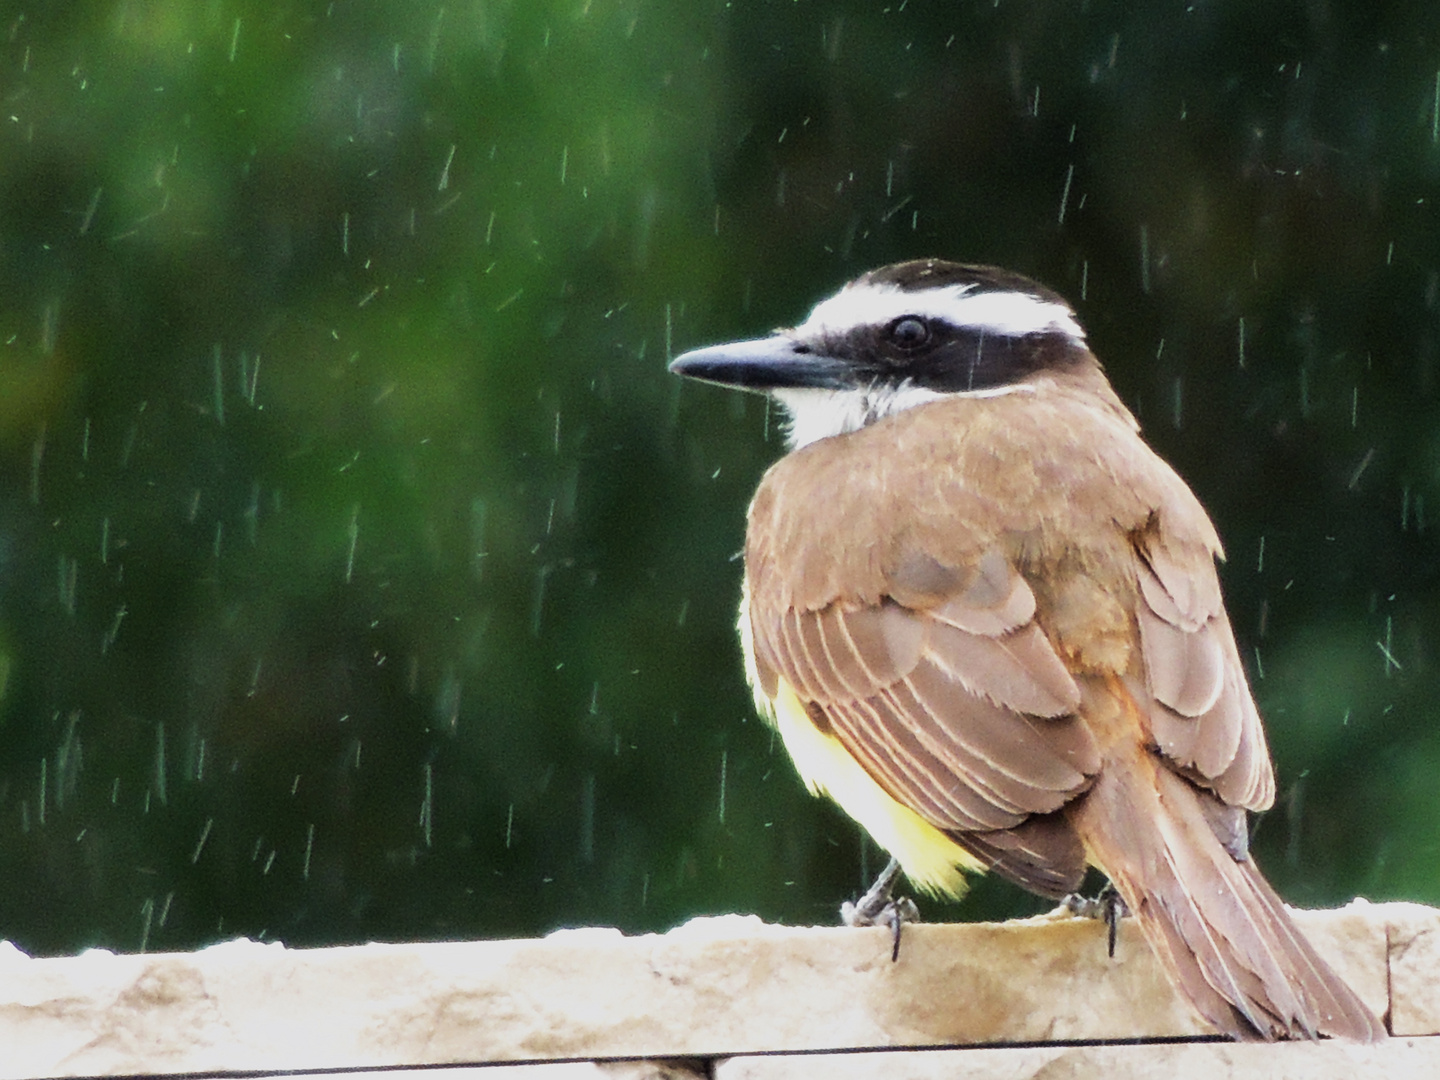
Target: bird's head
pixel 899 337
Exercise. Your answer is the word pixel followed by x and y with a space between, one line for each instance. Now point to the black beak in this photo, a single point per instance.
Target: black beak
pixel 771 363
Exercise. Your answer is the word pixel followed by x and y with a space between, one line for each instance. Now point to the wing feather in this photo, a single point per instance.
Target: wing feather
pixel 1043 855
pixel 910 772
pixel 1014 754
pixel 958 707
pixel 1201 712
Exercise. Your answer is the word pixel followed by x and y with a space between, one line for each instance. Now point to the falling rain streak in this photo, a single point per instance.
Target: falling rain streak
pixel 587 818
pixel 200 844
pixel 724 769
pixel 1387 648
pixel 537 602
pixel 1145 259
pixel 218 372
pixel 37 455
pixel 352 533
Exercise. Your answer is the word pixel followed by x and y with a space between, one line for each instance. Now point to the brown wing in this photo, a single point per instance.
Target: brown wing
pixel 1201 713
pixel 953 700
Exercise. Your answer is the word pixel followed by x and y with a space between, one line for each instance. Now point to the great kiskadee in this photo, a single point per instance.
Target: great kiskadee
pixel 985 618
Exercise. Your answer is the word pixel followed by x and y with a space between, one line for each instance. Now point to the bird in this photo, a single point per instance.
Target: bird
pixel 985 618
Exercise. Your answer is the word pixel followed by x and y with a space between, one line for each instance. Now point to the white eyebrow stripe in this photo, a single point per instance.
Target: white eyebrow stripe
pixel 1004 313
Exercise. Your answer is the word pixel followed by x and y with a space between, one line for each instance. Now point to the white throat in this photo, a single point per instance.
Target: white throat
pixel 819 414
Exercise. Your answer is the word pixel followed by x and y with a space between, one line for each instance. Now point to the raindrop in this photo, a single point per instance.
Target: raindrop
pixel 66 573
pixel 1435 114
pixel 587 818
pixel 477 537
pixel 447 699
pixel 157 779
pixel 114 631
pixel 352 531
pixel 147 913
pixel 445 172
pixel 37 454
pixel 252 513
pixel 537 603
pixel 89 217
pixel 1386 648
pixel 1145 259
pixel 219 376
pixel 1354 484
pixel 724 767
pixel 200 844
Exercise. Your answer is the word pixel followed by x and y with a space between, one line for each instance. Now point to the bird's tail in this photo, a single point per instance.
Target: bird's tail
pixel 1222 934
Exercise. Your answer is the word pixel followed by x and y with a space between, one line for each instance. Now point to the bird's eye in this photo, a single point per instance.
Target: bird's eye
pixel 909 332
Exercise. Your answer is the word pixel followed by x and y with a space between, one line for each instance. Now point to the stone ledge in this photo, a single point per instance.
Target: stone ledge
pixel 729 987
pixel 1148 1061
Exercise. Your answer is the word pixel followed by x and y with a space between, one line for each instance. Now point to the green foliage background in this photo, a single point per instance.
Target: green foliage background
pixel 363 574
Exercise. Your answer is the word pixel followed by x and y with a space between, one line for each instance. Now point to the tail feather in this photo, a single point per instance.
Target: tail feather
pixel 1222 933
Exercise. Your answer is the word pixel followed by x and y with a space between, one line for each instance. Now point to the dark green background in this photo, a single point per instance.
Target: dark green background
pixel 363 574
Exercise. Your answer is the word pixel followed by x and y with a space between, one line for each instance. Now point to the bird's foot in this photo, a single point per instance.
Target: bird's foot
pixel 880 907
pixel 1109 906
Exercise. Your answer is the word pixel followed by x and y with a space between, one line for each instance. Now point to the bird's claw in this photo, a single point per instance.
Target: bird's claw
pixel 880 907
pixel 1109 907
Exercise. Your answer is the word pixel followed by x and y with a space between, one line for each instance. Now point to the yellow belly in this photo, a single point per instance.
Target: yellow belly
pixel 931 860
